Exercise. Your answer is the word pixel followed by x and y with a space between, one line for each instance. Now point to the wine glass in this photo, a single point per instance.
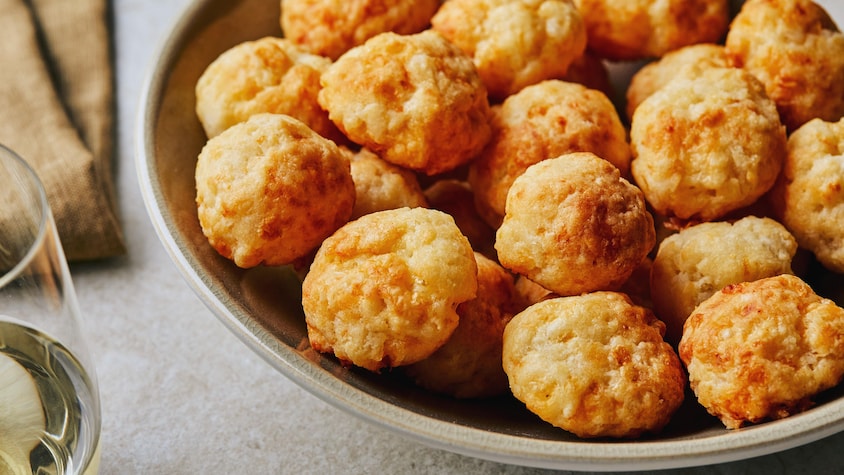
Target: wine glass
pixel 49 403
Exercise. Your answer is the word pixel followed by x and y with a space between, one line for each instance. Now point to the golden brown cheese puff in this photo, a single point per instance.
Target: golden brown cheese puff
pixel 456 198
pixel 708 145
pixel 796 50
pixel 514 43
pixel 270 189
pixel 687 61
pixel 267 75
pixel 574 225
pixel 761 350
pixel 332 27
pixel 544 121
pixel 416 101
pixel 698 261
pixel 594 364
pixel 469 364
pixel 639 29
pixel 382 291
pixel 380 185
pixel 809 196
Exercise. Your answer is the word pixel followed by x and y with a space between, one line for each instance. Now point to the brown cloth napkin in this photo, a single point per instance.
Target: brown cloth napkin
pixel 56 112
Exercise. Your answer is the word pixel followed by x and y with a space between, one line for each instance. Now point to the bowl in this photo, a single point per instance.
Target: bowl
pixel 262 305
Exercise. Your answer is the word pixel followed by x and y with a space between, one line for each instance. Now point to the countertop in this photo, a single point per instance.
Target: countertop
pixel 182 395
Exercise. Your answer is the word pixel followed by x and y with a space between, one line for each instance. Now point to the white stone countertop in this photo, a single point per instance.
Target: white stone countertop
pixel 182 395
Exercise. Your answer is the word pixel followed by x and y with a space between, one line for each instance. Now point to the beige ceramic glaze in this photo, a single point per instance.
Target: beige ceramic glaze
pixel 262 307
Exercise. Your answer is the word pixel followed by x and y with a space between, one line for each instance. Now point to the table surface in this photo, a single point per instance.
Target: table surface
pixel 181 394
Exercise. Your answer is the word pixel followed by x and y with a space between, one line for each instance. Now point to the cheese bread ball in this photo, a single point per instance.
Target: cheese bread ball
pixel 594 364
pixel 544 121
pixel 796 50
pixel 332 27
pixel 707 145
pixel 761 350
pixel 809 196
pixel 638 29
pixel 456 198
pixel 270 189
pixel 700 260
pixel 382 291
pixel 687 61
pixel 469 364
pixel 380 185
pixel 267 75
pixel 416 101
pixel 514 43
pixel 574 225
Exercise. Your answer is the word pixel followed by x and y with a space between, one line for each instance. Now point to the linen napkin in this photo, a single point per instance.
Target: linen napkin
pixel 56 112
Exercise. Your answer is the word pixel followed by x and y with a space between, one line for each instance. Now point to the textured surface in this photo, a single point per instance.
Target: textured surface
pixel 270 190
pixel 416 100
pixel 382 291
pixel 594 364
pixel 182 395
pixel 763 349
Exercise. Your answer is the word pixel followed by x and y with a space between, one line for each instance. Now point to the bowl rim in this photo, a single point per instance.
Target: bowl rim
pixel 735 445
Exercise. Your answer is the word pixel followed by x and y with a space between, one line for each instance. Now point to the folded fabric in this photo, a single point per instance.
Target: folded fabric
pixel 56 112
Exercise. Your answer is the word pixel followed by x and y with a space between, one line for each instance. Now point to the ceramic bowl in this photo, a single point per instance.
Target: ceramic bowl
pixel 262 305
